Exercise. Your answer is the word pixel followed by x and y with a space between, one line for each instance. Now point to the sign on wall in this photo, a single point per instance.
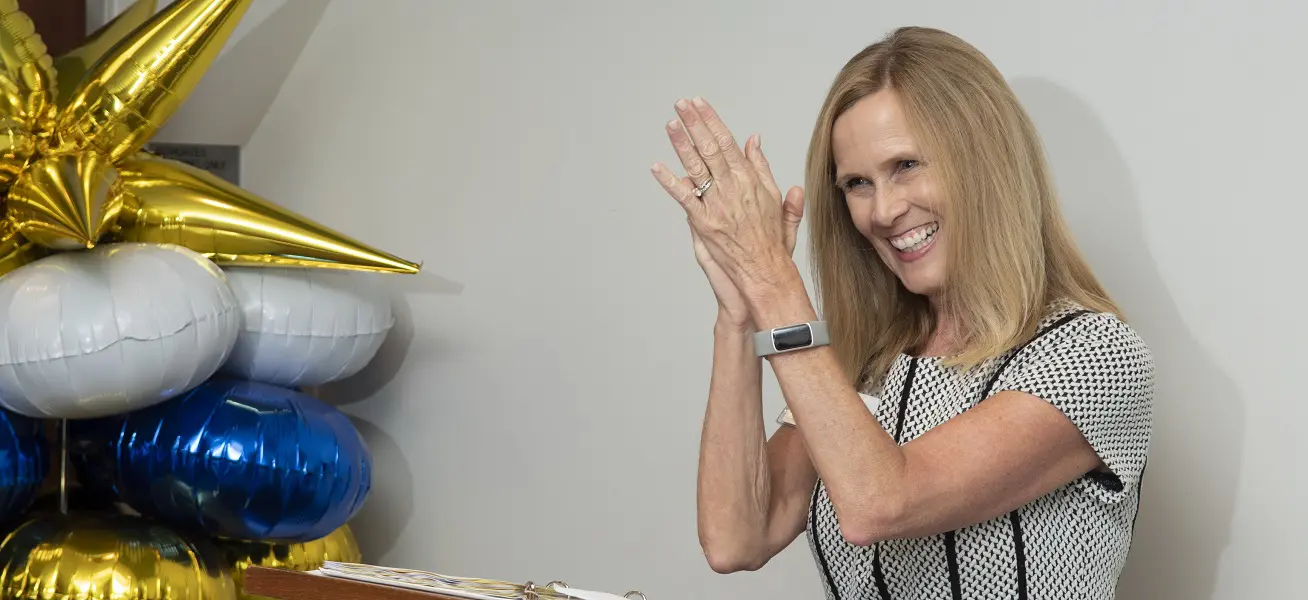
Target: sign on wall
pixel 220 159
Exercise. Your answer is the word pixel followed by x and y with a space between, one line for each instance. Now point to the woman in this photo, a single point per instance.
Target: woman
pixel 997 448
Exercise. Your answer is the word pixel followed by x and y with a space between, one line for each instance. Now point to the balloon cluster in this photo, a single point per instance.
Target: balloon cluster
pixel 167 321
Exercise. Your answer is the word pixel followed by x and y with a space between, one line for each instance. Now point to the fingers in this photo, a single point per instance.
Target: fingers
pixel 680 188
pixel 712 150
pixel 721 134
pixel 793 205
pixel 792 211
pixel 754 153
pixel 690 159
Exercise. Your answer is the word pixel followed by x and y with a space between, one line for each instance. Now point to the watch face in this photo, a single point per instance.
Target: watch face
pixel 792 338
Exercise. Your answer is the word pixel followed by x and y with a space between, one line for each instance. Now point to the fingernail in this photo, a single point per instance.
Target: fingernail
pixel 681 105
pixel 699 102
pixel 673 125
pixel 758 142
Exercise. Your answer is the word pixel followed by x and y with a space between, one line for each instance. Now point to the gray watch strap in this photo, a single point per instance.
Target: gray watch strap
pixel 790 338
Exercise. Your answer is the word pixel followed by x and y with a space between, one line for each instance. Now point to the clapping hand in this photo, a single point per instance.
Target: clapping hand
pixel 741 227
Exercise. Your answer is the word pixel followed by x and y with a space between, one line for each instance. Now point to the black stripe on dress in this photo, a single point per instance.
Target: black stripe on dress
pixel 951 556
pixel 877 575
pixel 878 572
pixel 903 400
pixel 1019 553
pixel 817 543
pixel 1019 545
pixel 994 377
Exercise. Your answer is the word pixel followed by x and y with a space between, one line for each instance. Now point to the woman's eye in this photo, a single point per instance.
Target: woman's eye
pixel 907 164
pixel 856 182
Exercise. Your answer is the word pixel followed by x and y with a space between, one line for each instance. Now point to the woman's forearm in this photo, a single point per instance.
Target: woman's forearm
pixel 862 467
pixel 734 484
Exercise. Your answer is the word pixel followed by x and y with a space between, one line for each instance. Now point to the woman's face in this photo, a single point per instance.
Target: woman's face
pixel 892 194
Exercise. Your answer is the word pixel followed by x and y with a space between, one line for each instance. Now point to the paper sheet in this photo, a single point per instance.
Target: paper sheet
pixel 459 587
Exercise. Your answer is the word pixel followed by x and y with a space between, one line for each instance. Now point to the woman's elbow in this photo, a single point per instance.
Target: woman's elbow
pixel 730 554
pixel 726 561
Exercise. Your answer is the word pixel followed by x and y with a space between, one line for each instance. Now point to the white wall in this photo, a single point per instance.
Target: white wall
pixel 537 413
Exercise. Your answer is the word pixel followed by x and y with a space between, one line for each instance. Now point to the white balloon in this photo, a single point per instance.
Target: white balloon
pixel 117 328
pixel 306 327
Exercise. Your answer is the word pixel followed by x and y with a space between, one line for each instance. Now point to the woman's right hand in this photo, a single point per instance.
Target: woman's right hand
pixel 733 311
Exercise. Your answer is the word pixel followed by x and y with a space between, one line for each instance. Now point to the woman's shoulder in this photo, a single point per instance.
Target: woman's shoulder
pixel 1074 337
pixel 1097 370
pixel 1071 321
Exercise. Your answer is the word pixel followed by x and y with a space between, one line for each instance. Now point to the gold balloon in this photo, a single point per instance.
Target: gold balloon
pixel 65 202
pixel 62 164
pixel 170 202
pixel 16 251
pixel 338 546
pixel 133 90
pixel 73 65
pixel 26 70
pixel 17 145
pixel 108 557
pixel 26 77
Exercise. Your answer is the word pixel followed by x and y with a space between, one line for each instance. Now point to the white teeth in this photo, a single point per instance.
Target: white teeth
pixel 916 239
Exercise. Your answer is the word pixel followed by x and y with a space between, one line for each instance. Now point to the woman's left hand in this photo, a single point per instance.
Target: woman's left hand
pixel 739 215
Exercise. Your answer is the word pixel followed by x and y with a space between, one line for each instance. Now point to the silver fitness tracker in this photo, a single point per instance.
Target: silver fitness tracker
pixel 791 338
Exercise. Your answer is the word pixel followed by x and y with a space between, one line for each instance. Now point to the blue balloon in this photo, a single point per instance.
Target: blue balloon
pixel 24 456
pixel 237 459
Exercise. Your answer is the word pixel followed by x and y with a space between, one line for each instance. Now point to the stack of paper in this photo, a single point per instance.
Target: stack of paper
pixel 463 587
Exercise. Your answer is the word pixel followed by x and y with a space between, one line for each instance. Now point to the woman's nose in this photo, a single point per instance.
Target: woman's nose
pixel 890 205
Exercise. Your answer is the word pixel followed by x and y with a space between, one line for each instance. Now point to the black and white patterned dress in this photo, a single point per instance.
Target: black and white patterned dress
pixel 1069 544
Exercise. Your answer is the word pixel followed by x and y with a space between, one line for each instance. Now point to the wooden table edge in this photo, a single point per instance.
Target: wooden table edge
pixel 283 584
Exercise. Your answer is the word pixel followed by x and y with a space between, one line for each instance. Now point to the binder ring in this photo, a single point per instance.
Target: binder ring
pixel 529 591
pixel 637 595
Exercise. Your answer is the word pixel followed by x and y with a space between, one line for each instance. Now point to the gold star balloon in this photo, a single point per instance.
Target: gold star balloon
pixel 73 65
pixel 73 171
pixel 26 75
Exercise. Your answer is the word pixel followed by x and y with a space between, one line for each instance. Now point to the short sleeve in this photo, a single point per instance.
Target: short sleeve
pixel 1099 373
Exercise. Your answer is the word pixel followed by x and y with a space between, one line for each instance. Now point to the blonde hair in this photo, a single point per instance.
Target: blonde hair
pixel 1010 253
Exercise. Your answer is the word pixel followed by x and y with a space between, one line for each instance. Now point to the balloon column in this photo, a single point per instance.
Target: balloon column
pixel 166 321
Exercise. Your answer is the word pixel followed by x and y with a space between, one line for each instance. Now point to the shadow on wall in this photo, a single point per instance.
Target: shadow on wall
pixel 381 521
pixel 257 64
pixel 389 507
pixel 1199 419
pixel 391 355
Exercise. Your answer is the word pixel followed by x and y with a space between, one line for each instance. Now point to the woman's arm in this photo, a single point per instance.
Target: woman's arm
pixel 1020 444
pixel 990 460
pixel 753 494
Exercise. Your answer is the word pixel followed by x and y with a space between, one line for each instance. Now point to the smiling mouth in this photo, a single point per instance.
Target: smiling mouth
pixel 916 238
